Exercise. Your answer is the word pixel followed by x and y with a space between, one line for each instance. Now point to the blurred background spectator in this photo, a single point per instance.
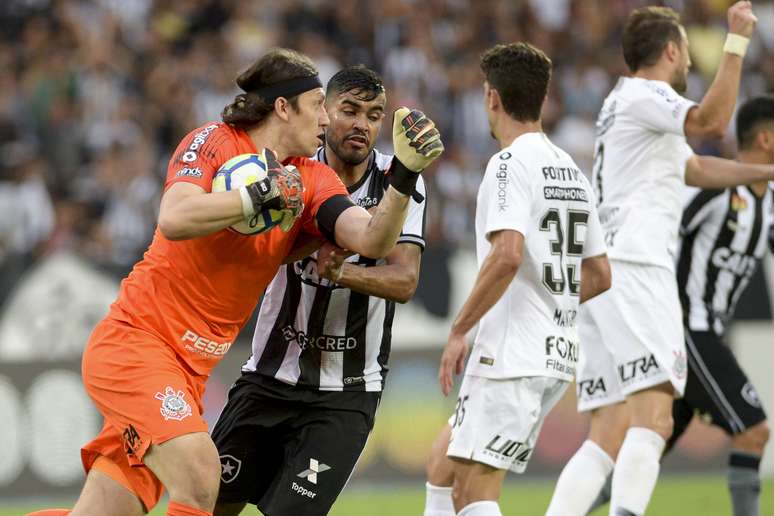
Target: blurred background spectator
pixel 95 94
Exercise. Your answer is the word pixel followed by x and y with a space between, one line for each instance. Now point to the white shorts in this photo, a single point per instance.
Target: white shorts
pixel 631 336
pixel 497 422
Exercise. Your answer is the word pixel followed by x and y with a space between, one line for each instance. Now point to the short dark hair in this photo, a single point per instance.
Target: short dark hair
pixel 520 73
pixel 361 81
pixel 752 114
pixel 279 64
pixel 646 34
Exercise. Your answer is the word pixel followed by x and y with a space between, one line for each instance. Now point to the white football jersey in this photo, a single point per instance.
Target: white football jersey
pixel 639 170
pixel 535 188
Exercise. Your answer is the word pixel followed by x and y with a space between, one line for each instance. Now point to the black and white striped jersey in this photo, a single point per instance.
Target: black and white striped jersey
pixel 316 334
pixel 724 236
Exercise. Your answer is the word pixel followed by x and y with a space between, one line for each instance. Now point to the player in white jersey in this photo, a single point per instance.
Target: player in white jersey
pixel 541 252
pixel 724 234
pixel 633 335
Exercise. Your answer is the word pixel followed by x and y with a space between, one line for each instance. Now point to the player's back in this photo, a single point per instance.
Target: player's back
pixel 639 167
pixel 535 188
pixel 196 294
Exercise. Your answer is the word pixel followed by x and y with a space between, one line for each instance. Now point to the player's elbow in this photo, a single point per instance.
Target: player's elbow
pixel 714 129
pixel 171 228
pixel 509 262
pixel 376 250
pixel 707 127
pixel 407 290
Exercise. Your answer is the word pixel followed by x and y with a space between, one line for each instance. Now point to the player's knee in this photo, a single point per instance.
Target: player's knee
pixel 200 486
pixel 663 425
pixel 753 439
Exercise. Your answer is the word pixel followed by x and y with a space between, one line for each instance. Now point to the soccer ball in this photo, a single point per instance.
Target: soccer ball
pixel 240 171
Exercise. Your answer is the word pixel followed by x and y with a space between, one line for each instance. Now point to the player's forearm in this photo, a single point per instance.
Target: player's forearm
pixel 717 107
pixel 391 282
pixel 492 281
pixel 712 172
pixel 381 233
pixel 198 215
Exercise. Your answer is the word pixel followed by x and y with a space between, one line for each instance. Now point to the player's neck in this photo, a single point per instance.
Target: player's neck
pixel 349 174
pixel 654 73
pixel 268 136
pixel 511 129
pixel 755 157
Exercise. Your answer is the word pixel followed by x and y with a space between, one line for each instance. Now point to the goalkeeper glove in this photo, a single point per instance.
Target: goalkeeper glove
pixel 282 191
pixel 417 144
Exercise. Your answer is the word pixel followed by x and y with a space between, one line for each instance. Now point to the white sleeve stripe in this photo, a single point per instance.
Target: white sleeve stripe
pixel 412 239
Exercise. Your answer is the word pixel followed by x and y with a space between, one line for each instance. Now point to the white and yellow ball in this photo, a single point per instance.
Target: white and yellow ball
pixel 241 171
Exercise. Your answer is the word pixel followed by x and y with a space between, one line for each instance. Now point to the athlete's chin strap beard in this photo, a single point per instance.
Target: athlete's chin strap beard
pixel 287 89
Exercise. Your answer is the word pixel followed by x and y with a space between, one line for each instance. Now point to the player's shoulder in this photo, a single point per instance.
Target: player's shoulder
pixel 211 141
pixel 209 129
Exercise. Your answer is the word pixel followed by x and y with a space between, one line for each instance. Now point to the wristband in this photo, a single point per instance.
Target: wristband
pixel 401 178
pixel 736 44
pixel 248 210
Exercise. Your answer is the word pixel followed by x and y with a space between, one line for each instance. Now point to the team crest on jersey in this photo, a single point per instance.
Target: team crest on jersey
pixel 738 203
pixel 680 365
pixel 173 404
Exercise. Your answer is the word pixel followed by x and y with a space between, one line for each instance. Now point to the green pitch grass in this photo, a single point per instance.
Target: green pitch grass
pixel 684 496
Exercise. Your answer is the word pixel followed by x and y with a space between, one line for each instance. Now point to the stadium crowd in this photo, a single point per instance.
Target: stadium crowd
pixel 96 94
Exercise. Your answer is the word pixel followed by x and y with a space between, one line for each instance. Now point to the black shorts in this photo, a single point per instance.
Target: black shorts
pixel 287 450
pixel 717 389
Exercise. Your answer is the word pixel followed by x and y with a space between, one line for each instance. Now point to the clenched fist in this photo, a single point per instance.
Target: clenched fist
pixel 741 19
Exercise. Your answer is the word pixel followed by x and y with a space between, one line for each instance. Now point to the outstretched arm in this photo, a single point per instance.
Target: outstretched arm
pixel 712 172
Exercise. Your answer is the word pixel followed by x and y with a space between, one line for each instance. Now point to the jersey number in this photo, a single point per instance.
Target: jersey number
pixel 459 411
pixel 553 221
pixel 599 160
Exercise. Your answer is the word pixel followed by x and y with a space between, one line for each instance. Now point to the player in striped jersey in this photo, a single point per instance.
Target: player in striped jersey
pixel 298 418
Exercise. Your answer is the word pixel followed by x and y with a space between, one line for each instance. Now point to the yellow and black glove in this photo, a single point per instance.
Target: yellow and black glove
pixel 417 144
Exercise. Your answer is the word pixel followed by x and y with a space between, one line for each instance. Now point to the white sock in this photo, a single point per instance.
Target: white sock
pixel 485 508
pixel 580 481
pixel 636 471
pixel 438 501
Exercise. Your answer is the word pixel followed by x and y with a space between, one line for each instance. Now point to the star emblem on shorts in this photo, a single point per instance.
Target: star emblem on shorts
pixel 229 468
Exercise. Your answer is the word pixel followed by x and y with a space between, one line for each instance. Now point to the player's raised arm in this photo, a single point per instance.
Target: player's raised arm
pixel 714 112
pixel 417 144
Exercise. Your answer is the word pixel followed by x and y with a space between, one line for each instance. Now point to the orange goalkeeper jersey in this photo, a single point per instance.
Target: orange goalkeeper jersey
pixel 196 294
